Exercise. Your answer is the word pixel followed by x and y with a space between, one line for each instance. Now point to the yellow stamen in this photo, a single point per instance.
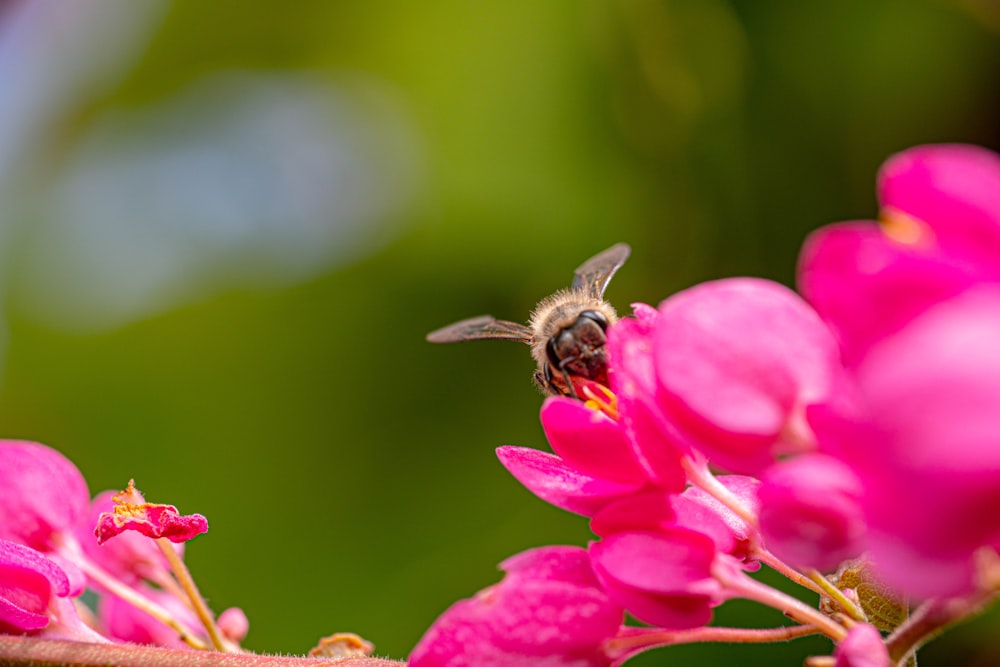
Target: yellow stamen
pixel 905 229
pixel 605 402
pixel 129 503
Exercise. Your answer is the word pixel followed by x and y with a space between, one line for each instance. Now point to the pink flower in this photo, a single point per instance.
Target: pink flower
pixel 915 305
pixel 549 611
pixel 655 446
pixel 924 440
pixel 811 513
pixel 653 510
pixel 593 465
pixel 132 557
pixel 863 647
pixel 590 441
pixel 941 235
pixel 29 582
pixel 557 483
pixel 698 510
pixel 42 494
pixel 662 577
pixel 727 368
pixel 132 512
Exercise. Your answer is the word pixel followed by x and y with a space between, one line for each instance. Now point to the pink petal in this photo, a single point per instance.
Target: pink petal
pixel 699 517
pixel 654 441
pixel 537 615
pixel 671 612
pixel 867 286
pixel 933 398
pixel 675 560
pixel 661 578
pixel 646 510
pixel 28 582
pixel 744 488
pixel 590 441
pixel 555 482
pixel 952 189
pixel 131 512
pixel 41 493
pixel 553 563
pixel 737 361
pixel 131 556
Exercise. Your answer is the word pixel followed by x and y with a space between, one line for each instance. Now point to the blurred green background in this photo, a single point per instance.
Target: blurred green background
pixel 226 227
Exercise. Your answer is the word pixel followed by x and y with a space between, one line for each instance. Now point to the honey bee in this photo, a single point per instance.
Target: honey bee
pixel 567 330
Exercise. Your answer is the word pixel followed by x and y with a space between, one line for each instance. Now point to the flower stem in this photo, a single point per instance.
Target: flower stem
pixel 634 639
pixel 699 475
pixel 35 652
pixel 751 589
pixel 136 599
pixel 783 568
pixel 197 601
pixel 837 595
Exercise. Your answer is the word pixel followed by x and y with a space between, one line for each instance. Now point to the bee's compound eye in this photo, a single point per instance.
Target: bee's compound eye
pixel 560 347
pixel 596 316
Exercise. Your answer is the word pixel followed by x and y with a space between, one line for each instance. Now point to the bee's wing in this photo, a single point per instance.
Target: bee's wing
pixel 594 275
pixel 481 328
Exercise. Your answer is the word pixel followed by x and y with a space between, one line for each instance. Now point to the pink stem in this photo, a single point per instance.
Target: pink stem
pixel 751 589
pixel 640 639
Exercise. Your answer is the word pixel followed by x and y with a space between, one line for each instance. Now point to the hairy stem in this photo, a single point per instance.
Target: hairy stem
pixel 34 652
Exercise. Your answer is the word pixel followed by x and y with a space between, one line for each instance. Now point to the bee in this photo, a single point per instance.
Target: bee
pixel 567 330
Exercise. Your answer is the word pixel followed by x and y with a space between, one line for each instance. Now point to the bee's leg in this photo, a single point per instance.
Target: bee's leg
pixel 566 377
pixel 544 381
pixel 543 378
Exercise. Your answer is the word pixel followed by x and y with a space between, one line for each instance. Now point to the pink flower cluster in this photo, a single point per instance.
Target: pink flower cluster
pixel 55 543
pixel 861 418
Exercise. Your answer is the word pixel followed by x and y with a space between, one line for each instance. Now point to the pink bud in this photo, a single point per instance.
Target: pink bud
pixel 737 362
pixel 811 513
pixel 863 647
pixel 233 624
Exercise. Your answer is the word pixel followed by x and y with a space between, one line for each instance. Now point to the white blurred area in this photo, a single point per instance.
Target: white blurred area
pixel 243 179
